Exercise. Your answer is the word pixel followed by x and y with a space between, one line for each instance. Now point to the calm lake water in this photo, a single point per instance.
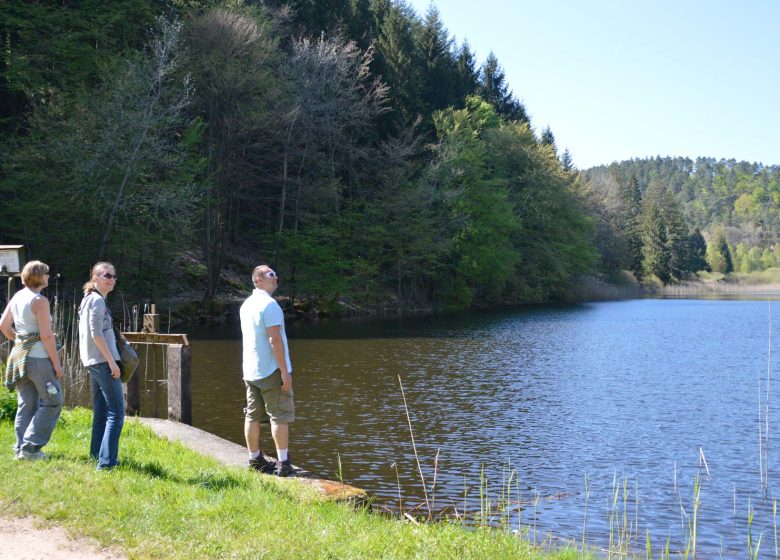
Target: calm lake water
pixel 581 400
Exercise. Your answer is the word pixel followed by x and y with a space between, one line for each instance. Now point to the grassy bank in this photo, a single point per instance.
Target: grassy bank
pixel 165 501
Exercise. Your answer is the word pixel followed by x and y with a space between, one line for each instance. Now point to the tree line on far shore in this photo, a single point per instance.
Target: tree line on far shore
pixel 668 218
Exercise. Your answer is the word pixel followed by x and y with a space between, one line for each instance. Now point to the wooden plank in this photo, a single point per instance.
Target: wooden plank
pixel 156 338
pixel 179 358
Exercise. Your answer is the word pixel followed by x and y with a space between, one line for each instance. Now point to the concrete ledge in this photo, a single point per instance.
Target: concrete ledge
pixel 235 455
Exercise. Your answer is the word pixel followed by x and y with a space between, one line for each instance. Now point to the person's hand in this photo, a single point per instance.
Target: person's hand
pixel 286 382
pixel 59 373
pixel 115 373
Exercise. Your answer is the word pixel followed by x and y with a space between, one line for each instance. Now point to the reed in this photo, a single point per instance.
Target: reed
pixel 435 476
pixel 414 448
pixel 536 504
pixel 753 549
pixel 766 399
pixel 585 517
pixel 339 472
pixel 398 480
pixel 612 514
pixel 696 504
pixel 774 523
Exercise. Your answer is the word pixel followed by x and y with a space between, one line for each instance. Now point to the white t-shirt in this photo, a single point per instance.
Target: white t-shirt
pixel 257 313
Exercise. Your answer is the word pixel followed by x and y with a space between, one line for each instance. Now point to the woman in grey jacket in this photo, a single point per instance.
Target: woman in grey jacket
pixel 97 348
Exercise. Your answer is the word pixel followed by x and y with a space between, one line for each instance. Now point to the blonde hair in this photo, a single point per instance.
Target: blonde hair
pixel 98 268
pixel 32 274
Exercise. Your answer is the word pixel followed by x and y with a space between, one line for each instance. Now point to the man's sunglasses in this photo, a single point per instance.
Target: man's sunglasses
pixel 271 274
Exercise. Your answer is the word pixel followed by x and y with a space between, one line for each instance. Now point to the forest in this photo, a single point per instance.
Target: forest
pixel 352 145
pixel 652 216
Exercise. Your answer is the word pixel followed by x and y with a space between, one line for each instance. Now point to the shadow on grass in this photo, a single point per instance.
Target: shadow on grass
pixel 206 478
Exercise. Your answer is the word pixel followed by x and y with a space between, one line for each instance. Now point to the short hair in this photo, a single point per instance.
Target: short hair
pixel 259 270
pixel 32 274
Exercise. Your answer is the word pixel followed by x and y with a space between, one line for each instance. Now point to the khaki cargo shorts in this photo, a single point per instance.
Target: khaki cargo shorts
pixel 266 402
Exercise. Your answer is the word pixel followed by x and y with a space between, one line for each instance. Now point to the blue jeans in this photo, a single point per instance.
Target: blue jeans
pixel 108 417
pixel 36 411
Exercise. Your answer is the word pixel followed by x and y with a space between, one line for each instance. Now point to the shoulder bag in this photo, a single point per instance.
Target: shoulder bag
pixel 128 357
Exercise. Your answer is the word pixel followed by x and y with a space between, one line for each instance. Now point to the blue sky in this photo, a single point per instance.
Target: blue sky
pixel 617 80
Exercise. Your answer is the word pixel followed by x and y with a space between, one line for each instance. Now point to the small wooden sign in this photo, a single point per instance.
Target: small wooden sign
pixel 11 259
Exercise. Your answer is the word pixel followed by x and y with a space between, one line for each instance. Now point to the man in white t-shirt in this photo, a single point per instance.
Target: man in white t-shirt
pixel 267 373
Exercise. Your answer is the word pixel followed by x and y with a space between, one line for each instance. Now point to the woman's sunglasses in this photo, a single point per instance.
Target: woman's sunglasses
pixel 109 276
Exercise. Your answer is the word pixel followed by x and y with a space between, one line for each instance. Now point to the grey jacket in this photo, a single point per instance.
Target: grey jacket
pixel 95 320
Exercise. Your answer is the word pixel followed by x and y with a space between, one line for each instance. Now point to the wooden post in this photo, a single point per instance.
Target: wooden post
pixel 179 358
pixel 151 321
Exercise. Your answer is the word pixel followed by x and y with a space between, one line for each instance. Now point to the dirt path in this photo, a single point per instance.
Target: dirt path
pixel 22 539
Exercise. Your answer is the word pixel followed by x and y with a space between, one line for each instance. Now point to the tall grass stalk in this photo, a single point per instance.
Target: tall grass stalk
pixel 696 503
pixel 435 475
pixel 519 507
pixel 613 514
pixel 648 546
pixel 508 475
pixel 340 472
pixel 536 504
pixel 626 529
pixel 703 461
pixel 766 401
pixel 752 550
pixel 636 507
pixel 666 548
pixel 774 523
pixel 760 438
pixel 585 517
pixel 414 448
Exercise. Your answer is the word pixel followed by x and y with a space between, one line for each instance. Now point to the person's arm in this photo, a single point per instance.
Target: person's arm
pixel 6 323
pixel 100 342
pixel 280 352
pixel 40 308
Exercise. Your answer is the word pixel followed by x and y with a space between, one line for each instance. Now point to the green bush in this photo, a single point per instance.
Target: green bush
pixel 7 403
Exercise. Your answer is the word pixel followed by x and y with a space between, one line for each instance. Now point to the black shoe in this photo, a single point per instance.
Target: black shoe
pixel 261 464
pixel 283 468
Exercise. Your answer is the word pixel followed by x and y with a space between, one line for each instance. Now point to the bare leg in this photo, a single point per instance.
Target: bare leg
pixel 281 435
pixel 252 434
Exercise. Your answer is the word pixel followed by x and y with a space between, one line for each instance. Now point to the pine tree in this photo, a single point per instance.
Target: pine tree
pixel 629 223
pixel 677 237
pixel 719 255
pixel 723 248
pixel 655 248
pixel 566 161
pixel 495 91
pixel 438 64
pixel 548 139
pixel 397 60
pixel 467 82
pixel 697 252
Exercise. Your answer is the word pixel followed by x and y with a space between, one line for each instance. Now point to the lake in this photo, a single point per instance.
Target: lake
pixel 608 412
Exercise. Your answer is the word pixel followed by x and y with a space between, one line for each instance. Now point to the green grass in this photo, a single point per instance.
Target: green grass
pixel 165 501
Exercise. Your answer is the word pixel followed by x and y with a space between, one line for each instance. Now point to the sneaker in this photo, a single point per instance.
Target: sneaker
pixel 262 465
pixel 32 455
pixel 283 468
